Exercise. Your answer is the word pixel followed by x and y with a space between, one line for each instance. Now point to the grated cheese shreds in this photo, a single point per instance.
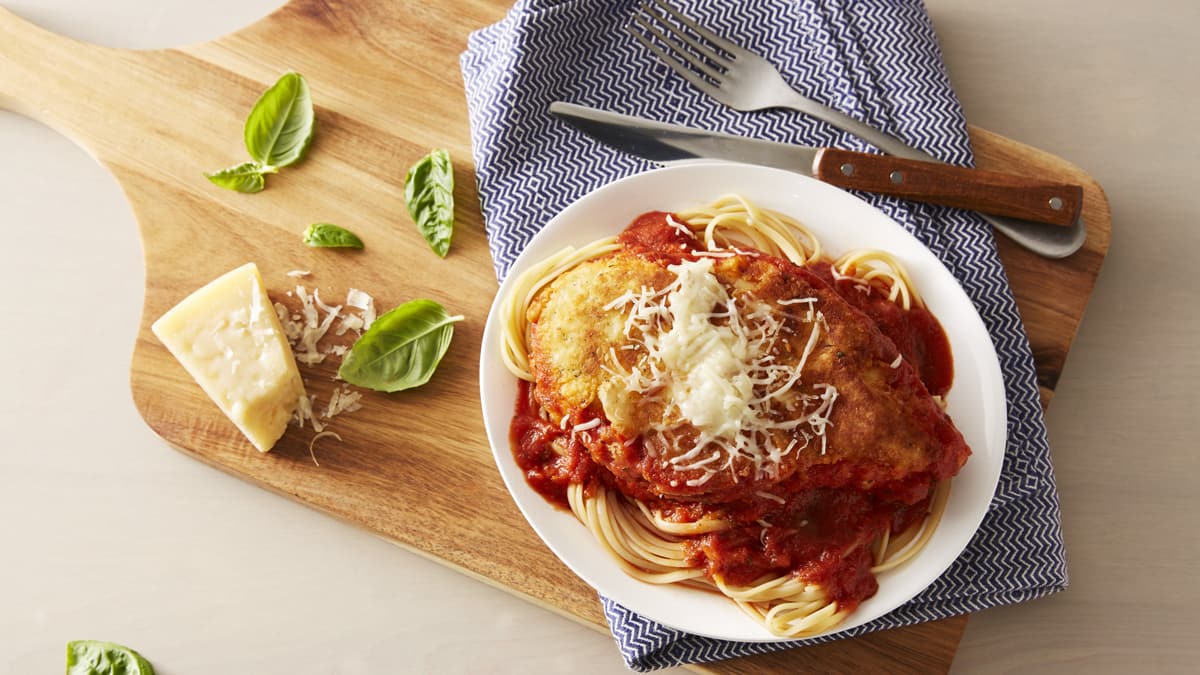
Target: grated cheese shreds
pixel 586 426
pixel 313 327
pixel 343 400
pixel 297 274
pixel 317 437
pixel 304 412
pixel 709 359
pixel 772 497
pixel 680 227
pixel 305 330
pixel 364 303
pixel 349 323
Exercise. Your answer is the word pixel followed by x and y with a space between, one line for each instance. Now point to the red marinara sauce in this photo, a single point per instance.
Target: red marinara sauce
pixel 550 456
pixel 915 331
pixel 822 535
pixel 808 536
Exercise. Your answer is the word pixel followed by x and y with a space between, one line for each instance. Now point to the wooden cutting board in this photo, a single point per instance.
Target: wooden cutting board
pixel 387 88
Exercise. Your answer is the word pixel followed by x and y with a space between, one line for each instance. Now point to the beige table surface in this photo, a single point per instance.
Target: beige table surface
pixel 107 533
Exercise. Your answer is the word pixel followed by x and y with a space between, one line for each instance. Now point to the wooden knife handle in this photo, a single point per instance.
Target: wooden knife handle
pixel 1000 194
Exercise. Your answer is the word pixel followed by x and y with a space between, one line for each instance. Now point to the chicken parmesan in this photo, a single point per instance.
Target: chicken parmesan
pixel 723 406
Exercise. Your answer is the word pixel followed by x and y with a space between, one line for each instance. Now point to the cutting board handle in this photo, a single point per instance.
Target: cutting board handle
pixel 149 112
pixel 53 79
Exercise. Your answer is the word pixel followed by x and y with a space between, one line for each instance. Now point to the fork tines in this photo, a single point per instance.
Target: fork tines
pixel 693 51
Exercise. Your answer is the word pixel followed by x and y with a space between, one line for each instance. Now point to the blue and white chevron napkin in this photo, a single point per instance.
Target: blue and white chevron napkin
pixel 877 60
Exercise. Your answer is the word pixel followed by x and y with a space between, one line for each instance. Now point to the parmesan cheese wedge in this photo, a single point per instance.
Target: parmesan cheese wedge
pixel 230 341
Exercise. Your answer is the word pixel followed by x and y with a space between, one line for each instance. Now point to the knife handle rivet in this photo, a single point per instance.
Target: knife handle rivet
pixel 1056 203
pixel 847 169
pixel 897 177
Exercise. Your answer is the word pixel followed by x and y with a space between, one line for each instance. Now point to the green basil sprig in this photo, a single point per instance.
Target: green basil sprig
pixel 401 349
pixel 328 235
pixel 94 657
pixel 277 134
pixel 429 196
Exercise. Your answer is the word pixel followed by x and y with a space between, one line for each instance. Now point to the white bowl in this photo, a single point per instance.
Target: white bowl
pixel 842 222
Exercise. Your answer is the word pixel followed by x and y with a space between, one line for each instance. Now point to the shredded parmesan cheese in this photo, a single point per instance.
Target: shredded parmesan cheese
pixel 349 323
pixel 586 426
pixel 305 331
pixel 313 328
pixel 342 400
pixel 304 412
pixel 680 227
pixel 708 359
pixel 364 303
pixel 314 440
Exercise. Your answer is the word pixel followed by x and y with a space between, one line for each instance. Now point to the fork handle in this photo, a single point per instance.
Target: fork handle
pixel 992 192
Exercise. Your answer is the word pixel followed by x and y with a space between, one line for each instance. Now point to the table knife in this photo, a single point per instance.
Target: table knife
pixel 991 192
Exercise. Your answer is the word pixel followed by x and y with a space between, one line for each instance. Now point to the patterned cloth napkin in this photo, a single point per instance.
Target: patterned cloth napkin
pixel 877 60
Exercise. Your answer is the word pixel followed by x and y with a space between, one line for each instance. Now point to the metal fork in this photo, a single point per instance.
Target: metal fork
pixel 746 81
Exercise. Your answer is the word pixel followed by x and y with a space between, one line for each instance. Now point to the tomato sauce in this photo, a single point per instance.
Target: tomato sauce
pixel 916 331
pixel 551 456
pixel 809 535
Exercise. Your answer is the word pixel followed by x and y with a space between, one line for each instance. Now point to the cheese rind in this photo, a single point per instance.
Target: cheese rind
pixel 228 338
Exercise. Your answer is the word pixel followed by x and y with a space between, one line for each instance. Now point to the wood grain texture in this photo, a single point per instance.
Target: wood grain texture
pixel 1016 195
pixel 387 88
pixel 1051 295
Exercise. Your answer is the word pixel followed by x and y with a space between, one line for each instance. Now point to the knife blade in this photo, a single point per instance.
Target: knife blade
pixel 991 192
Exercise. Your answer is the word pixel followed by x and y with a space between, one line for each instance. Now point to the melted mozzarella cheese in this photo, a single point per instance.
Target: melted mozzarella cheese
pixel 709 379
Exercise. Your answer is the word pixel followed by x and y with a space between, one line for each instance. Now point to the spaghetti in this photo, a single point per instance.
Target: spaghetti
pixel 723 407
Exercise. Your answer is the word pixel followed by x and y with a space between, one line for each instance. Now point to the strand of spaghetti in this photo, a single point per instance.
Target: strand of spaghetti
pixel 516 303
pixel 645 542
pixel 898 541
pixel 787 606
pixel 601 525
pixel 585 510
pixel 874 264
pixel 702 526
pixel 737 223
pixel 799 620
pixel 880 547
pixel 767 231
pixel 795 619
pixel 774 587
pixel 783 230
pixel 598 519
pixel 793 608
pixel 941 496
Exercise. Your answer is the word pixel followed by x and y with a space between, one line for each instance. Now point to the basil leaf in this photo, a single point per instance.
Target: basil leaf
pixel 280 126
pixel 246 177
pixel 401 349
pixel 429 196
pixel 93 657
pixel 328 235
